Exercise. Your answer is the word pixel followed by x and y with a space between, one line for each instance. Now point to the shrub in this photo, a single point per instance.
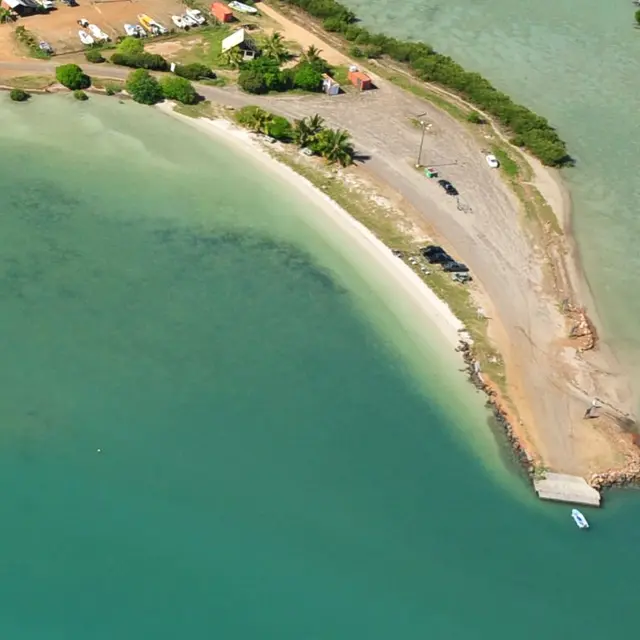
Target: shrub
pixel 307 78
pixel 79 94
pixel 356 52
pixel 94 56
pixel 19 95
pixel 130 45
pixel 140 61
pixel 180 89
pixel 72 77
pixel 252 81
pixel 194 71
pixel 143 87
pixel 475 118
pixel 280 128
pixel 335 23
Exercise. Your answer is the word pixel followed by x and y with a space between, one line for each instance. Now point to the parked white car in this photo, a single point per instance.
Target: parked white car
pixel 492 161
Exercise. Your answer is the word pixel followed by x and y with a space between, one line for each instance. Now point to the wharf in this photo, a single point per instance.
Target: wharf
pixel 564 488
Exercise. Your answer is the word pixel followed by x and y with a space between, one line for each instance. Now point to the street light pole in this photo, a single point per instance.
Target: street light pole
pixel 422 124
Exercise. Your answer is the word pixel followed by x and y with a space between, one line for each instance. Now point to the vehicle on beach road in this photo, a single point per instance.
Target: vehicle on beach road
pixel 492 161
pixel 448 187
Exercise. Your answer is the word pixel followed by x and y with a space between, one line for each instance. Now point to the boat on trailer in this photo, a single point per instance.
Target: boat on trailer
pixel 579 519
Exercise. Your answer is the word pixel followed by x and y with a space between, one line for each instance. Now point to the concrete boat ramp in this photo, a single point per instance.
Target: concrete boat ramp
pixel 563 488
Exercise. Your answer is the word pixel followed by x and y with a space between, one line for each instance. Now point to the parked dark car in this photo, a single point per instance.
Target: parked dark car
pixel 436 255
pixel 448 187
pixel 455 267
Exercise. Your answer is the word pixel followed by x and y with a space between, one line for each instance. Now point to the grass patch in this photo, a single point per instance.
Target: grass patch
pixel 341 75
pixel 103 83
pixel 204 109
pixel 205 47
pixel 508 165
pixel 220 81
pixel 30 82
pixel 28 42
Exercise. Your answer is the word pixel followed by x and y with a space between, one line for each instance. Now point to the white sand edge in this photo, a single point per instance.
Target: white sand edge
pixel 438 312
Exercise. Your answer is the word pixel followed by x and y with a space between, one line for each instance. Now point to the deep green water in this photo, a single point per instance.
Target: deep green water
pixel 576 62
pixel 280 457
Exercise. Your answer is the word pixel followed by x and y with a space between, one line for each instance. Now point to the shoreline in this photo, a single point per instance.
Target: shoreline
pixel 438 311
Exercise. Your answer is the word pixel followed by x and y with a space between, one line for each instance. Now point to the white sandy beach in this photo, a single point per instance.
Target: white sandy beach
pixel 404 280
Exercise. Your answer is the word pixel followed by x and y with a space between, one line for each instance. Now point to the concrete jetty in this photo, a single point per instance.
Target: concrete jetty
pixel 564 488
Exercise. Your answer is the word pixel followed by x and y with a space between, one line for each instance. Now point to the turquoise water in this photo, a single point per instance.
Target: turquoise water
pixel 279 458
pixel 577 63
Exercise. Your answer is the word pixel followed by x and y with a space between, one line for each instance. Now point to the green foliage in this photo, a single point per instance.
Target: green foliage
pixel 94 56
pixel 255 119
pixel 311 56
pixel 638 17
pixel 180 89
pixel 475 118
pixel 6 15
pixel 143 87
pixel 130 45
pixel 528 129
pixel 27 38
pixel 307 78
pixel 252 81
pixel 263 75
pixel 356 52
pixel 306 130
pixel 72 77
pixel 334 145
pixel 194 71
pixel 19 95
pixel 79 94
pixel 273 47
pixel 280 128
pixel 142 60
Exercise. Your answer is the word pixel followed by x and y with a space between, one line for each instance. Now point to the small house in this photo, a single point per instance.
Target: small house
pixel 221 12
pixel 329 85
pixel 359 80
pixel 240 40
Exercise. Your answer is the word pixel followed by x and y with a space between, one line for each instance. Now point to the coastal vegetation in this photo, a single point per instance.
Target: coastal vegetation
pixel 72 77
pixel 32 44
pixel 638 17
pixel 143 87
pixel 180 89
pixel 94 56
pixel 526 128
pixel 79 94
pixel 194 71
pixel 130 53
pixel 334 145
pixel 19 95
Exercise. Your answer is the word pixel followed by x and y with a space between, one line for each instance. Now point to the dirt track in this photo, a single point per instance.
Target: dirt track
pixel 489 238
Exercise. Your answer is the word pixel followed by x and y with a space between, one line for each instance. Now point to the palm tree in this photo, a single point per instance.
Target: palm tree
pixel 232 58
pixel 260 121
pixel 306 131
pixel 311 54
pixel 273 47
pixel 335 146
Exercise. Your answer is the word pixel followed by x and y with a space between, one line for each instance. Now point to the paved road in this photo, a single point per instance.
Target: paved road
pixel 490 239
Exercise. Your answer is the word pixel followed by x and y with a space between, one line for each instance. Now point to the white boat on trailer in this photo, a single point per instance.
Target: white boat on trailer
pixel 242 8
pixel 85 38
pixel 130 30
pixel 579 519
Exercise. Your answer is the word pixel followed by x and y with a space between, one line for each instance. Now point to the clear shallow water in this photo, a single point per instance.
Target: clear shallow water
pixel 577 64
pixel 270 465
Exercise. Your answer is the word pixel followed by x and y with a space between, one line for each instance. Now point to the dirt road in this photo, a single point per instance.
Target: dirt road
pixel 542 370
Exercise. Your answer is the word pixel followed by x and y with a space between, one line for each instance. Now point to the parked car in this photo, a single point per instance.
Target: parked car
pixel 448 187
pixel 455 267
pixel 436 255
pixel 492 161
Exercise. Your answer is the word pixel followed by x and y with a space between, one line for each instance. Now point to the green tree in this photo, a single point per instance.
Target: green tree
pixel 335 146
pixel 232 58
pixel 307 78
pixel 638 17
pixel 19 95
pixel 131 45
pixel 143 87
pixel 180 89
pixel 194 71
pixel 252 81
pixel 273 47
pixel 72 77
pixel 306 130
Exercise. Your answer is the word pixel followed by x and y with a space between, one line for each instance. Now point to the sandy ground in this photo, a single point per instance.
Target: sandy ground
pixel 405 281
pixel 60 28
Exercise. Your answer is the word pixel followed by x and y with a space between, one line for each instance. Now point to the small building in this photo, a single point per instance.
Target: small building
pixel 221 12
pixel 245 45
pixel 329 85
pixel 360 80
pixel 21 7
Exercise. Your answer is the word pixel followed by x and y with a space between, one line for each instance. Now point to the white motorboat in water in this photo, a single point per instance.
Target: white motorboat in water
pixel 242 8
pixel 85 38
pixel 579 519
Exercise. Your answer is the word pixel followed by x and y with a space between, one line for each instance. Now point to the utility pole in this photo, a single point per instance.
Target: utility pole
pixel 422 125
